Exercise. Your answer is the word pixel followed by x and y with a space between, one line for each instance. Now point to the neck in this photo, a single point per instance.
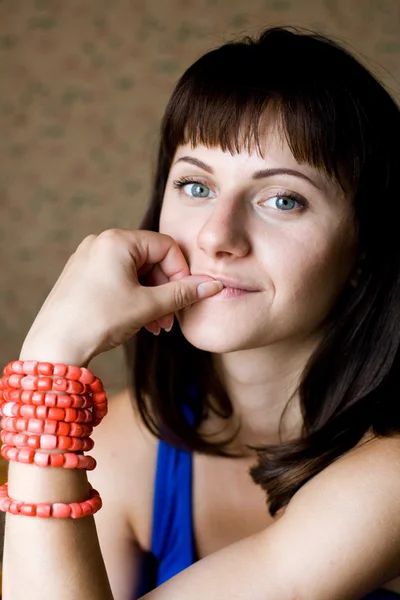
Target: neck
pixel 260 382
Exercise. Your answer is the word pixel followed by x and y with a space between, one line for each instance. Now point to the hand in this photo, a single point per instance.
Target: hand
pixel 99 302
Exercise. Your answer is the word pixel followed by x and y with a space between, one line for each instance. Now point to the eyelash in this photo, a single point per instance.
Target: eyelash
pixel 182 181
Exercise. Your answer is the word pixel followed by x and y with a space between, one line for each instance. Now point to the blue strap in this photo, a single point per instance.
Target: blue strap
pixel 172 534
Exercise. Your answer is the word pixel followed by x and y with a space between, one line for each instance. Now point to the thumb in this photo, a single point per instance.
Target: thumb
pixel 175 295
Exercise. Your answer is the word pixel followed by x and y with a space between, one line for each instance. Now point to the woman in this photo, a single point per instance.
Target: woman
pixel 276 155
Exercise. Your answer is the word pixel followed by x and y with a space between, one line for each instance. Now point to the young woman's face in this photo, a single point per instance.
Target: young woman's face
pixel 268 224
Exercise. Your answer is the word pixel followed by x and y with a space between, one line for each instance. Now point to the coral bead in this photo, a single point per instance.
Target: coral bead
pixel 43 511
pixel 71 461
pixel 48 442
pixel 41 459
pixel 76 510
pixel 60 511
pixel 29 510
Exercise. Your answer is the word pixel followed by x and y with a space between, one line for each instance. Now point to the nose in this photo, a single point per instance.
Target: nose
pixel 224 232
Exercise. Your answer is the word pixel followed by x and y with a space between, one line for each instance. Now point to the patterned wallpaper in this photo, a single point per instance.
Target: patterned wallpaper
pixel 82 88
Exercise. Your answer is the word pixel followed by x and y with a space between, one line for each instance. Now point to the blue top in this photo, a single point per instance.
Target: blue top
pixel 172 541
pixel 172 536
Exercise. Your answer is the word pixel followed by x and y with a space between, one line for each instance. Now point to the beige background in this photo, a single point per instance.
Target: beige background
pixel 83 84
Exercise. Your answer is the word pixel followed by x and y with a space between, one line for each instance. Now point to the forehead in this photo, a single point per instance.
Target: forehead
pixel 270 147
pixel 273 151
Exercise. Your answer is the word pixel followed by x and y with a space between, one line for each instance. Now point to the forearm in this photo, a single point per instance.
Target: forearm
pixel 237 572
pixel 51 558
pixel 48 558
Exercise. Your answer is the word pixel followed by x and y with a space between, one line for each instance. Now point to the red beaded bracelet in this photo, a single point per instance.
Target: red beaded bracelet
pixel 34 375
pixel 46 442
pixel 61 420
pixel 47 369
pixel 44 384
pixel 47 398
pixel 31 382
pixel 58 510
pixel 29 411
pixel 40 426
pixel 66 460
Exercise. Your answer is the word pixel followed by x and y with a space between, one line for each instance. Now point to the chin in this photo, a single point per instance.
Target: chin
pixel 218 338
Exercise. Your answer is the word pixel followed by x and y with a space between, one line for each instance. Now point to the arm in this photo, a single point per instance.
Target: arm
pixel 76 566
pixel 338 539
pixel 51 558
pixel 126 455
pixel 96 304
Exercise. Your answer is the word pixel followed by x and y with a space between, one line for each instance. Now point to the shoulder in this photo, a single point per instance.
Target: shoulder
pixel 373 465
pixel 126 453
pixel 346 521
pixel 367 476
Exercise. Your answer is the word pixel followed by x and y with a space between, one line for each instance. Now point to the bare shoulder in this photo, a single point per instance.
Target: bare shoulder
pixel 354 504
pixel 125 452
pixel 371 468
pixel 339 536
pixel 374 459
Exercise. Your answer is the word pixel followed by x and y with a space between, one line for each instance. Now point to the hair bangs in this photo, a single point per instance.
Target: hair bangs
pixel 214 106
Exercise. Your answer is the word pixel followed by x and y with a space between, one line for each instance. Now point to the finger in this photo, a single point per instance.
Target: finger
pixel 161 323
pixel 150 247
pixel 158 277
pixel 166 322
pixel 164 299
pixel 153 328
pixel 155 277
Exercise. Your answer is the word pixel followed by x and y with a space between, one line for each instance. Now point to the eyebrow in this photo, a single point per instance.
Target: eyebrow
pixel 256 175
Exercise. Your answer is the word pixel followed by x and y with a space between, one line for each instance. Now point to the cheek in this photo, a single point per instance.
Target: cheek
pixel 175 223
pixel 166 218
pixel 308 274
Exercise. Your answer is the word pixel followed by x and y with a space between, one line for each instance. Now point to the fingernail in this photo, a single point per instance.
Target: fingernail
pixel 158 332
pixel 209 288
pixel 169 328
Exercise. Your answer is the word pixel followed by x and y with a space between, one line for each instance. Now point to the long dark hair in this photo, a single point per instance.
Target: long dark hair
pixel 337 117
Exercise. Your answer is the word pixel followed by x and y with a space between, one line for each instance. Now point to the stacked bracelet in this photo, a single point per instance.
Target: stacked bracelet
pixel 40 426
pixel 67 460
pixel 59 510
pixel 46 398
pixel 46 407
pixel 29 411
pixel 34 375
pixel 47 442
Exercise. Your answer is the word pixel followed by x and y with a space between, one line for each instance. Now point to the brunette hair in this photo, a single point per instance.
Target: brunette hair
pixel 338 118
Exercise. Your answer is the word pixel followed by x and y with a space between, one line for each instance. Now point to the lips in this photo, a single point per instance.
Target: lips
pixel 231 283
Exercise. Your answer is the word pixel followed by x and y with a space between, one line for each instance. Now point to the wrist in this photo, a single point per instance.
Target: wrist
pixel 49 351
pixel 36 484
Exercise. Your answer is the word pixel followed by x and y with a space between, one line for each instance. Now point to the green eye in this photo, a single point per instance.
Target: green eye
pixel 193 188
pixel 197 190
pixel 285 203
